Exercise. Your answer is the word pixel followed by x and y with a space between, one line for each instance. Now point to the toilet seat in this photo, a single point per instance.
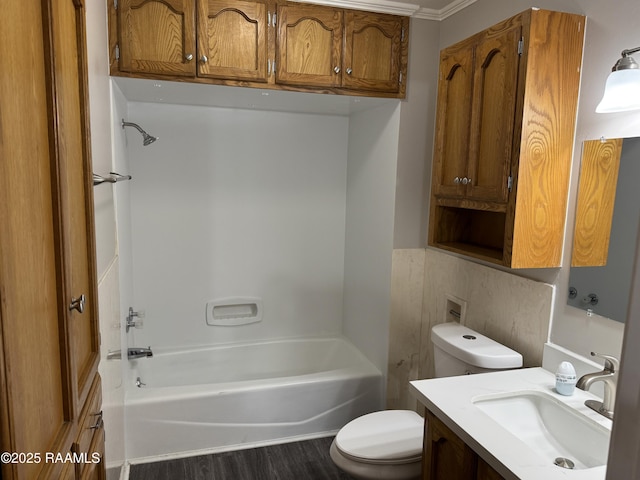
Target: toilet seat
pixel 382 438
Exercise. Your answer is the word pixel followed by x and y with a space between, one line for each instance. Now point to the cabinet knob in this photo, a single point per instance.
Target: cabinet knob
pixel 465 181
pixel 204 59
pixel 78 303
pixel 336 69
pixel 456 180
pixel 349 71
pixel 189 57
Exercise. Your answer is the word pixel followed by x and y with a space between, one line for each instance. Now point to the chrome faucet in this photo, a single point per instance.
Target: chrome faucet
pixel 609 375
pixel 132 353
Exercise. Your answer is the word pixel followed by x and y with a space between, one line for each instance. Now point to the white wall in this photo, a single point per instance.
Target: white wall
pixel 373 151
pixel 106 237
pixel 236 203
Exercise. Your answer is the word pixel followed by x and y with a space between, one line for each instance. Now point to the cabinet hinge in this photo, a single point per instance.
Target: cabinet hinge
pixel 117 52
pixel 521 46
pixel 510 182
pixel 115 4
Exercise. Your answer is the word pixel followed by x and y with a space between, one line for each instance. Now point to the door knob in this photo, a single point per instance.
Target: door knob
pixel 78 303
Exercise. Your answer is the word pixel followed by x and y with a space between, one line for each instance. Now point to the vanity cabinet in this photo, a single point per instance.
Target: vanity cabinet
pixel 260 43
pixel 505 123
pixel 447 457
pixel 331 47
pixel 49 340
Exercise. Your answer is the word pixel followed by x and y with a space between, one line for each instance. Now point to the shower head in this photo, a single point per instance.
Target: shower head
pixel 146 138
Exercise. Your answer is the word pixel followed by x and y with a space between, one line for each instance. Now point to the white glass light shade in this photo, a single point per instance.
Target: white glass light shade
pixel 621 92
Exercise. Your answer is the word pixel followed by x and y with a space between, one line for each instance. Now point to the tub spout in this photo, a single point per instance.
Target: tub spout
pixel 137 352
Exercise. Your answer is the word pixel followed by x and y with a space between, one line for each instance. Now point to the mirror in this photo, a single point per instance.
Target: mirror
pixel 607 217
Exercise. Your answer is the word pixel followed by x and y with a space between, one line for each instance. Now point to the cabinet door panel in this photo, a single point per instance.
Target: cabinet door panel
pixel 454 119
pixel 233 38
pixel 35 378
pixel 493 112
pixel 309 45
pixel 446 456
pixel 157 36
pixel 372 51
pixel 75 195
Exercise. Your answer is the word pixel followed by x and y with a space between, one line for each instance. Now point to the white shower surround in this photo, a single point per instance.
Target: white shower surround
pixel 293 208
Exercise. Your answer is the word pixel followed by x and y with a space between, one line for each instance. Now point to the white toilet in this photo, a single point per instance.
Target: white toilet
pixel 387 445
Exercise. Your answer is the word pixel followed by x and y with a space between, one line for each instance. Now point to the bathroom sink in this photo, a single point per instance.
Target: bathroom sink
pixel 551 428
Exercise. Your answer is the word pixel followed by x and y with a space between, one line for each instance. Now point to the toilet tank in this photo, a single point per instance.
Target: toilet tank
pixel 458 350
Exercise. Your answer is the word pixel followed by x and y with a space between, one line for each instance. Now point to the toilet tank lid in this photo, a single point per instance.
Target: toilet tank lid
pixel 474 348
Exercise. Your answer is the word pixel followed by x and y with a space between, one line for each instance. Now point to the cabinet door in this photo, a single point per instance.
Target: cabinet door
pixel 309 45
pixel 232 39
pixel 372 51
pixel 446 456
pixel 35 378
pixel 485 472
pixel 493 115
pixel 71 155
pixel 453 121
pixel 157 36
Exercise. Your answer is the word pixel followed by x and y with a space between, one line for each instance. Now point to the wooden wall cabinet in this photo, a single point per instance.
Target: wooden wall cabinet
pixel 49 335
pixel 331 47
pixel 260 43
pixel 447 457
pixel 505 124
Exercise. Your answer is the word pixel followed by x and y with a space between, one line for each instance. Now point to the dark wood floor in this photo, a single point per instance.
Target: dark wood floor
pixel 307 460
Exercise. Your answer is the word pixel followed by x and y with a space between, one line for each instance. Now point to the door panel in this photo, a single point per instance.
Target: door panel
pixel 157 36
pixel 454 119
pixel 494 104
pixel 372 51
pixel 309 45
pixel 232 39
pixel 75 193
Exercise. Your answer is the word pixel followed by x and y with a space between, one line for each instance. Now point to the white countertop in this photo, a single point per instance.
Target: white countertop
pixel 451 400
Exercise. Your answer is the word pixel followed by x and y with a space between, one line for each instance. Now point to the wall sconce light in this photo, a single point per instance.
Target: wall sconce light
pixel 622 90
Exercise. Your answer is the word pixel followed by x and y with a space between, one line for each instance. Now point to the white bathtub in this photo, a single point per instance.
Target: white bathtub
pixel 212 398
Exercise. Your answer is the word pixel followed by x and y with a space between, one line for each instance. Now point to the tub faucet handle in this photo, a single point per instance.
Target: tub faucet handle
pixel 134 323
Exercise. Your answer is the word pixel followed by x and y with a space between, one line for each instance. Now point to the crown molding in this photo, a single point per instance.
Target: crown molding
pixel 396 8
pixel 380 6
pixel 447 11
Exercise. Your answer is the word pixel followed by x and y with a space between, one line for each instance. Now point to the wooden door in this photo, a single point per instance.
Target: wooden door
pixel 36 414
pixel 232 39
pixel 157 36
pixel 309 45
pixel 72 157
pixel 372 52
pixel 453 120
pixel 493 115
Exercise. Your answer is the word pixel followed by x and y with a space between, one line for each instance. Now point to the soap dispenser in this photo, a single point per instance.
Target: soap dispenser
pixel 565 379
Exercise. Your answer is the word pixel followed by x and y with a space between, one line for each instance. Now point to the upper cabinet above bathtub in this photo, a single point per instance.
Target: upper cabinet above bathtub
pixel 505 125
pixel 261 43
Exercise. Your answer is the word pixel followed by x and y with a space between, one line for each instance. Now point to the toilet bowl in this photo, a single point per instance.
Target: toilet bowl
pixel 387 445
